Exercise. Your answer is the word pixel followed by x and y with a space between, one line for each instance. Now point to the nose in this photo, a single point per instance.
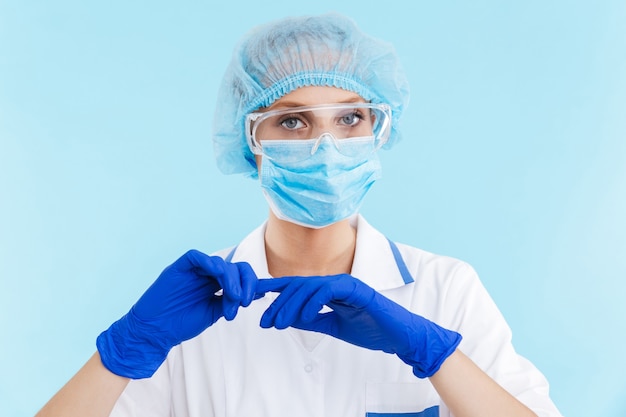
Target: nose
pixel 323 124
pixel 324 136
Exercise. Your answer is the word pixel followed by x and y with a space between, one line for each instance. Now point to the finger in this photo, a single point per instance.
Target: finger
pixel 291 301
pixel 272 285
pixel 291 309
pixel 229 280
pixel 349 291
pixel 225 274
pixel 248 281
pixel 268 319
pixel 205 265
pixel 316 301
pixel 322 323
pixel 232 294
pixel 353 292
pixel 227 277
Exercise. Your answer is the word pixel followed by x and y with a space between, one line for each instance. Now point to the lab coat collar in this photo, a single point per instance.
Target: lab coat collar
pixel 373 263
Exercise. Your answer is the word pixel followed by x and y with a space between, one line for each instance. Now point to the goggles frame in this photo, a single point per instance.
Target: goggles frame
pixel 381 135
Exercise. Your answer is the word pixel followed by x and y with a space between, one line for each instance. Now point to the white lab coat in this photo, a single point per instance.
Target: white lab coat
pixel 236 368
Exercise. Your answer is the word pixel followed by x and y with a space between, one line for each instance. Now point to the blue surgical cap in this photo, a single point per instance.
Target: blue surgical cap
pixel 277 58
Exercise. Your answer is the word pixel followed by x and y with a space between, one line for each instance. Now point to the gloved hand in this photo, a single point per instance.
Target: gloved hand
pixel 179 305
pixel 360 316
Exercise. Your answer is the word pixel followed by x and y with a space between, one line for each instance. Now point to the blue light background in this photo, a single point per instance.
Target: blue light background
pixel 513 159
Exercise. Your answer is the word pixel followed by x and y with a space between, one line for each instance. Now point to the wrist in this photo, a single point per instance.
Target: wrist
pixel 433 344
pixel 128 348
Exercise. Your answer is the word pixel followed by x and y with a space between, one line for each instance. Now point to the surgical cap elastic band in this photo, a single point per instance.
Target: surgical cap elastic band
pixel 304 79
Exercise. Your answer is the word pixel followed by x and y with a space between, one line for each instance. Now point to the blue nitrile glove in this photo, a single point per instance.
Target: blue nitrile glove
pixel 360 316
pixel 179 305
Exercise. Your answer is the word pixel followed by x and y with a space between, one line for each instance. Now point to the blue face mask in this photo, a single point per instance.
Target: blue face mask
pixel 318 182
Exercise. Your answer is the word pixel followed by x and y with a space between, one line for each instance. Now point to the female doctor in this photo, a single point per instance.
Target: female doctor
pixel 315 312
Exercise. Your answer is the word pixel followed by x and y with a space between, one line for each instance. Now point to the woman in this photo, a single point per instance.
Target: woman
pixel 323 314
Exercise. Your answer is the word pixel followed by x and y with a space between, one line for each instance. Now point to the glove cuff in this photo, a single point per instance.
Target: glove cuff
pixel 435 345
pixel 125 353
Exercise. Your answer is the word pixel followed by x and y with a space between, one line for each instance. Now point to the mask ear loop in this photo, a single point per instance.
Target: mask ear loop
pixel 325 135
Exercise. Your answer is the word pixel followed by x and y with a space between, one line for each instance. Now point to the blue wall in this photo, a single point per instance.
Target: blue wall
pixel 513 159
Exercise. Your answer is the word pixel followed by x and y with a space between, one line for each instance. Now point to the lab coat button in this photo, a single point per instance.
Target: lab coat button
pixel 308 368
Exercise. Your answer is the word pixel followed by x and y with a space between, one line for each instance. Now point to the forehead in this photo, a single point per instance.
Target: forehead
pixel 313 95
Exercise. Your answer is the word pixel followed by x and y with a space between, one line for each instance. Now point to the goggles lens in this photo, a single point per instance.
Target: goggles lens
pixel 306 124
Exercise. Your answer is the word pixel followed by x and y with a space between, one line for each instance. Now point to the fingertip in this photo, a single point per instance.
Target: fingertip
pixel 230 312
pixel 231 283
pixel 268 318
pixel 282 320
pixel 205 264
pixel 265 285
pixel 265 322
pixel 245 269
pixel 262 287
pixel 249 283
pixel 216 265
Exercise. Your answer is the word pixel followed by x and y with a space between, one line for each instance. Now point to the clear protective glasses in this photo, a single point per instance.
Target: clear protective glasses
pixel 367 123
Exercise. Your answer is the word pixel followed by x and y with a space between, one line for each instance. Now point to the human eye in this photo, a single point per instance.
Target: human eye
pixel 351 119
pixel 291 122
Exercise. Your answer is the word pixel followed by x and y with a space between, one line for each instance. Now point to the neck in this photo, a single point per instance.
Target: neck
pixel 294 250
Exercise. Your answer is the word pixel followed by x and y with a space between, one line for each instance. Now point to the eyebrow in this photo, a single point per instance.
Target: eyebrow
pixel 287 103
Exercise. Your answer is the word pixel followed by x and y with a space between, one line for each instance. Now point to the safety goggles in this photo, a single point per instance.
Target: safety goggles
pixel 312 123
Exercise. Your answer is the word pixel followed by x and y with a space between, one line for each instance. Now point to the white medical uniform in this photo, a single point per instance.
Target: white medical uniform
pixel 236 368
